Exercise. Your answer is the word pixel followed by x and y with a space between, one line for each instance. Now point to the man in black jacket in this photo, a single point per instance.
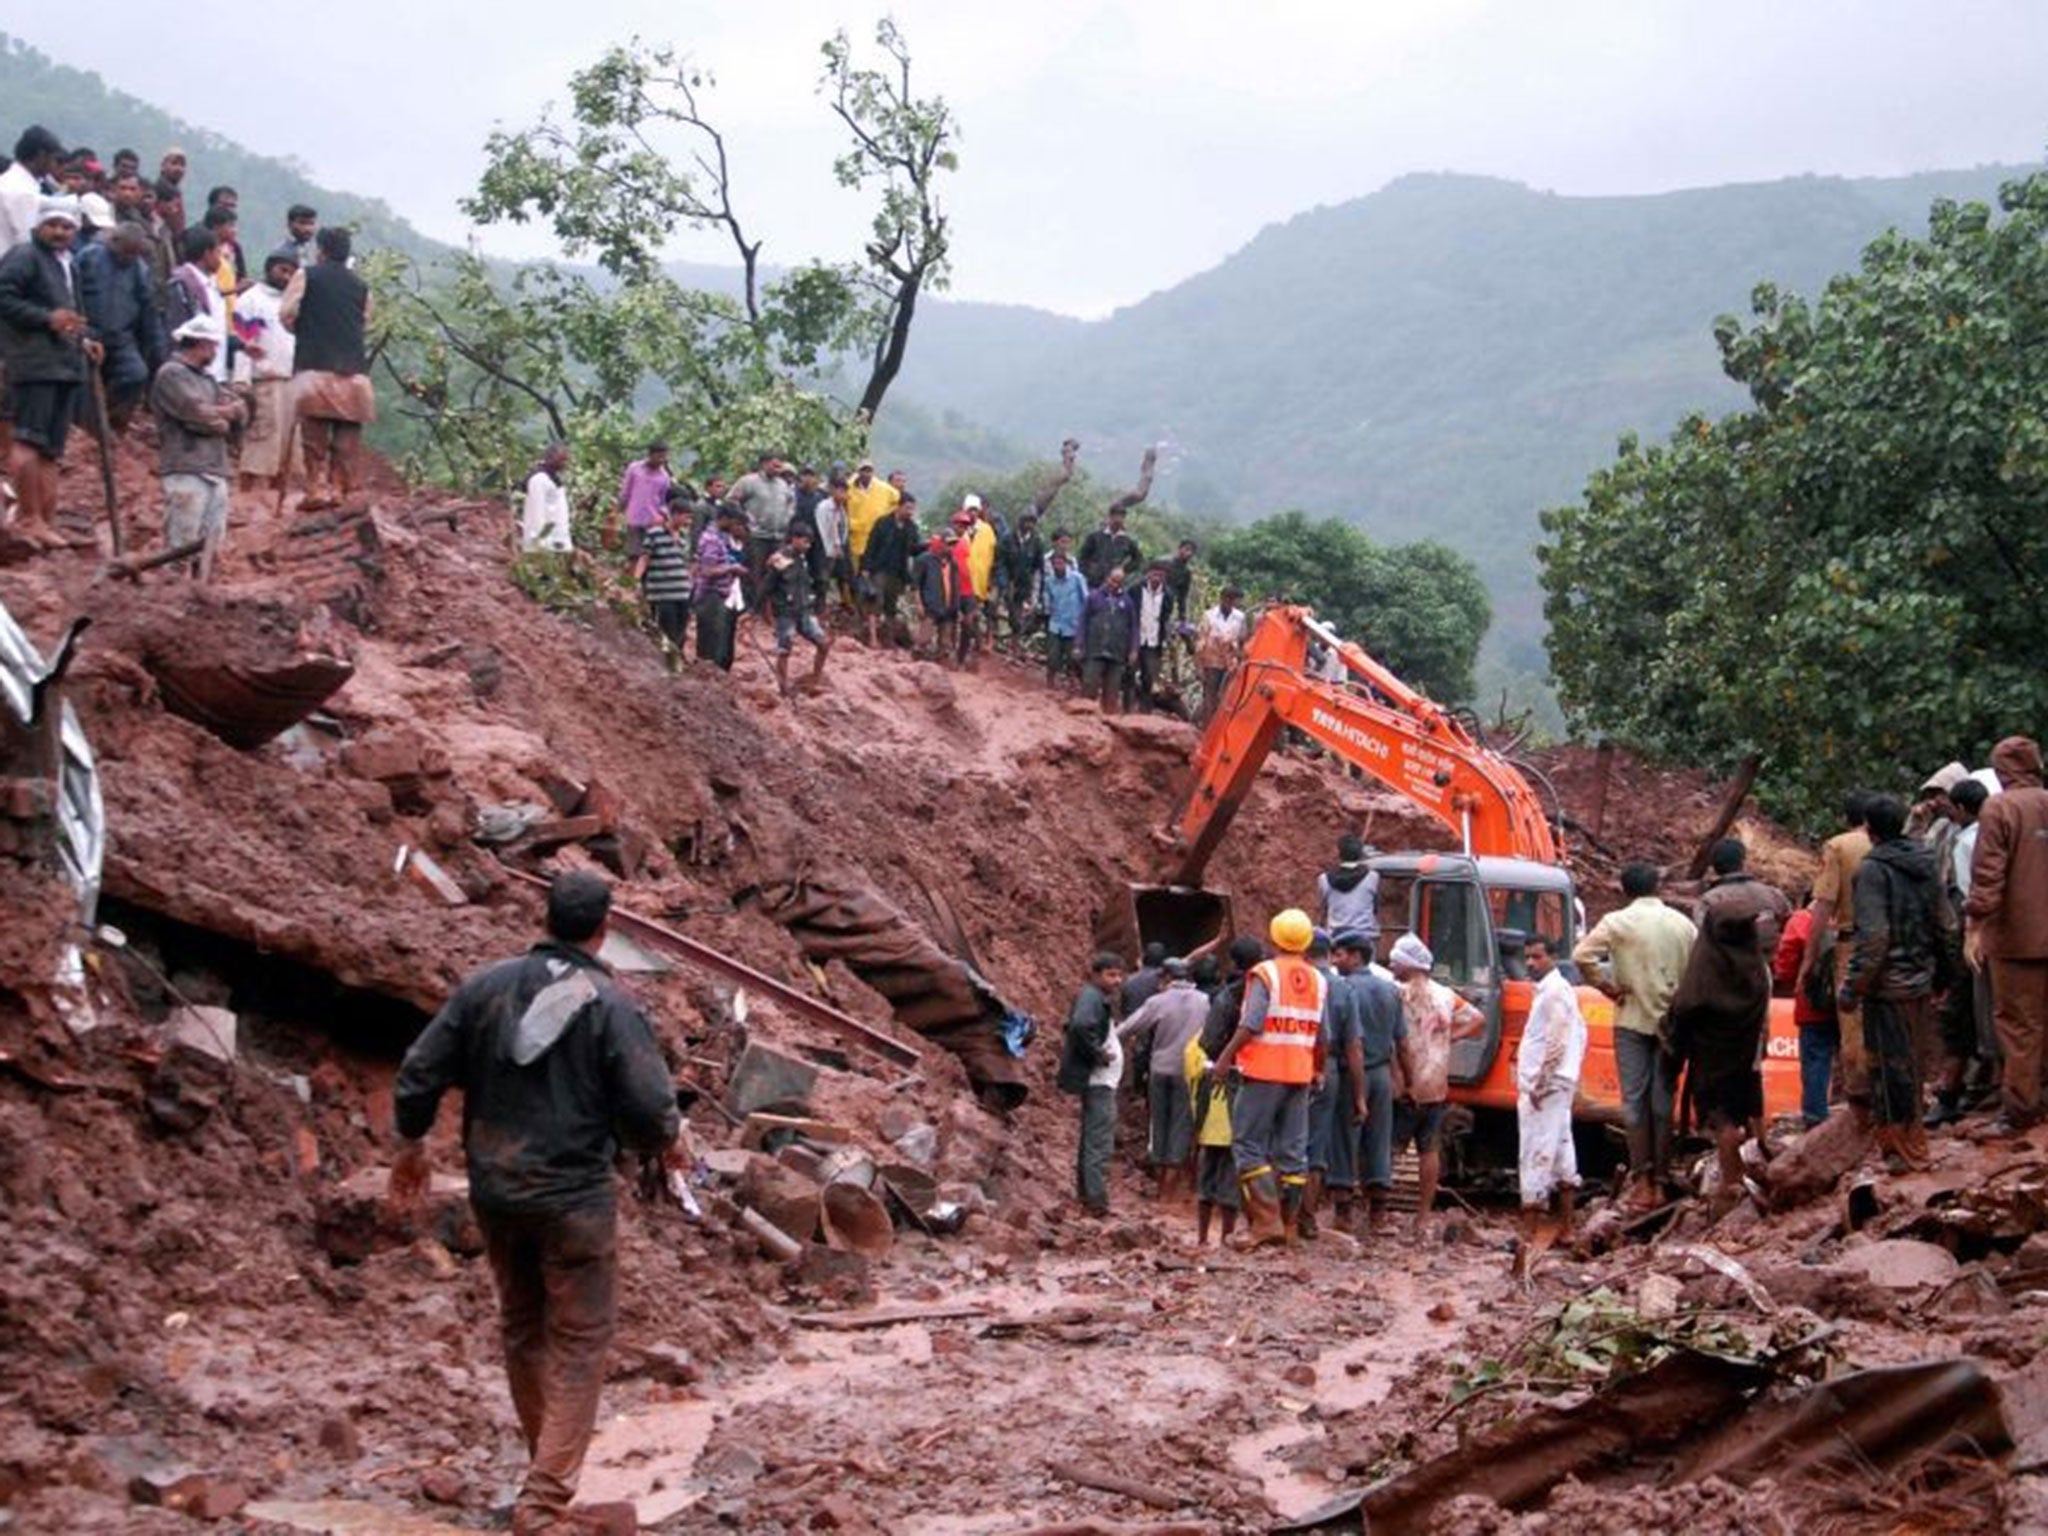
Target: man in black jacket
pixel 1018 559
pixel 885 569
pixel 46 343
pixel 1091 1062
pixel 1891 975
pixel 1108 549
pixel 558 1069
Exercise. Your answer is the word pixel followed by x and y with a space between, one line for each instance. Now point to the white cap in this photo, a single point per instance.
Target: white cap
pixel 971 503
pixel 200 328
pixel 1411 952
pixel 58 207
pixel 99 213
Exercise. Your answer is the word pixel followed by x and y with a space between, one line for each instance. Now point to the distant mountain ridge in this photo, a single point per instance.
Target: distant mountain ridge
pixel 1439 359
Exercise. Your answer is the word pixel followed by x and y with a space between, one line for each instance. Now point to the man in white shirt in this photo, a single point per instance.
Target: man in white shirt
pixel 264 363
pixel 544 522
pixel 36 156
pixel 1155 607
pixel 1547 1066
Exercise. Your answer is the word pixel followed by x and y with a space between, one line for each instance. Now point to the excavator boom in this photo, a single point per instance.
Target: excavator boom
pixel 1386 728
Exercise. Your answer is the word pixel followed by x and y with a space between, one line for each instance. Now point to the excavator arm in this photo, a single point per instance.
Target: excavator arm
pixel 1386 728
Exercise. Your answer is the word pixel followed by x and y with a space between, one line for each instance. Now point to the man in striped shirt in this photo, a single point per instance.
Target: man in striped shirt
pixel 663 571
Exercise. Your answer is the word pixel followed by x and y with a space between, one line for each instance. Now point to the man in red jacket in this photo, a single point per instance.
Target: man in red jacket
pixel 2007 916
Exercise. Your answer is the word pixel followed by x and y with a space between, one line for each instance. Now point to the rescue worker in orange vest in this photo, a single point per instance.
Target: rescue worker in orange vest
pixel 1278 1052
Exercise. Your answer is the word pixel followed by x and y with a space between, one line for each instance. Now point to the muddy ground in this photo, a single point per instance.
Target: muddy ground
pixel 195 1279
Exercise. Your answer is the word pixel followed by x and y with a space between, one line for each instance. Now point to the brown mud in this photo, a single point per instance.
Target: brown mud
pixel 195 1278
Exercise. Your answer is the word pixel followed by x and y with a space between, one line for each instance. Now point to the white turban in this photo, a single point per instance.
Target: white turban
pixel 1411 952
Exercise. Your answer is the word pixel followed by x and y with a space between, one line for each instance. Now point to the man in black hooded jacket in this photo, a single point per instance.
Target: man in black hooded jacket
pixel 558 1069
pixel 1899 915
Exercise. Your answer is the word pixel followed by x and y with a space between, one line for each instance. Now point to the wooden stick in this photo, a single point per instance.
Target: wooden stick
pixel 128 570
pixel 1111 1482
pixel 103 430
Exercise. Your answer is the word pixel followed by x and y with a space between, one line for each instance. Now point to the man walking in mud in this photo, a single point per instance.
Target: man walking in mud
pixel 557 1067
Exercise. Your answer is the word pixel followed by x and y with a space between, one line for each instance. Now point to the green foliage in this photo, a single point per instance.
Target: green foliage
pixel 491 366
pixel 1420 608
pixel 1850 577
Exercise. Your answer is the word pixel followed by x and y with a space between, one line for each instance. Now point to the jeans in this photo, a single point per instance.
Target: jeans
pixel 557 1278
pixel 1645 1099
pixel 1817 1046
pixel 1097 1142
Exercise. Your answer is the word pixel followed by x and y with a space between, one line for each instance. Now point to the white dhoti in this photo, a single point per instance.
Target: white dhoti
pixel 1548 1158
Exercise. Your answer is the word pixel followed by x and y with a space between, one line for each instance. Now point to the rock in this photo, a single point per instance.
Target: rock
pixel 1815 1163
pixel 201 1495
pixel 1442 1312
pixel 731 1464
pixel 185 1089
pixel 1657 1296
pixel 210 1031
pixel 338 1437
pixel 383 756
pixel 1898 1264
pixel 443 1485
pixel 765 1078
pixel 1301 1374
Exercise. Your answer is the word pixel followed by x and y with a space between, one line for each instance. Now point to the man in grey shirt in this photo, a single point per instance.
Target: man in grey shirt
pixel 769 501
pixel 193 413
pixel 1175 1015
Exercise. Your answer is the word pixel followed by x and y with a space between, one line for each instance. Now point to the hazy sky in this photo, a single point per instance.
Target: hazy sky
pixel 1113 147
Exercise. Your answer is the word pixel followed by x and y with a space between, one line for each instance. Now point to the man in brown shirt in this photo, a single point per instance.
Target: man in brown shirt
pixel 2007 914
pixel 1834 902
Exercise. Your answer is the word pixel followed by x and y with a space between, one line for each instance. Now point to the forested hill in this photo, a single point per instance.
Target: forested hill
pixel 1441 358
pixel 81 108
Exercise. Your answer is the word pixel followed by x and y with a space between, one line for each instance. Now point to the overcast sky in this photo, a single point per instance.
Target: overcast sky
pixel 1113 147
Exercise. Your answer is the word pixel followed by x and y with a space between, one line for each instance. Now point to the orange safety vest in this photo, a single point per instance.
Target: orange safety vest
pixel 1284 1051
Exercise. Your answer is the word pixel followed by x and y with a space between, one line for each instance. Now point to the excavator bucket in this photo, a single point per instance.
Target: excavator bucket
pixel 1185 918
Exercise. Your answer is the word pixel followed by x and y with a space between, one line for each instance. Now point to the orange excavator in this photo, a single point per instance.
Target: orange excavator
pixel 1474 908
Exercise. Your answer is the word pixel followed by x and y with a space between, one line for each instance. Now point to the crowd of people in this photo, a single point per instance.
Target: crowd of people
pixel 119 297
pixel 1282 1072
pixel 849 551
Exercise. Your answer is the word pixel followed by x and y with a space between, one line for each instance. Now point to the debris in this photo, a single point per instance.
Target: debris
pixel 202 1495
pixel 664 938
pixel 775 1242
pixel 785 1198
pixel 761 1125
pixel 497 825
pixel 432 878
pixel 1657 1297
pixel 1815 1163
pixel 1721 1264
pixel 209 1031
pixel 765 1078
pixel 1899 1264
pixel 1112 1482
pixel 563 829
pixel 855 1221
pixel 890 1317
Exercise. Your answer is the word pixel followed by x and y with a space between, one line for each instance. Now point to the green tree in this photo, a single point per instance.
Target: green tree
pixel 1420 608
pixel 1850 578
pixel 490 364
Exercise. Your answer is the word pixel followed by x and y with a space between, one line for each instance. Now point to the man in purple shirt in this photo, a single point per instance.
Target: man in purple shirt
pixel 643 496
pixel 721 561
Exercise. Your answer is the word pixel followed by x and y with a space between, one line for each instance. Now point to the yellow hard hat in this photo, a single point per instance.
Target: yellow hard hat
pixel 1292 931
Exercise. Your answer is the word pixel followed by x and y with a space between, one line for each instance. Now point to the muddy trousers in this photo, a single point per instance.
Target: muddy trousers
pixel 1097 1143
pixel 327 442
pixel 2019 1003
pixel 1852 1065
pixel 557 1280
pixel 1645 1100
pixel 1891 1029
pixel 1269 1129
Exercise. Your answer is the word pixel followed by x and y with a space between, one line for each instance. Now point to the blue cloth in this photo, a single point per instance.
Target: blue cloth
pixel 1818 1044
pixel 1376 1004
pixel 121 304
pixel 1376 1136
pixel 1064 596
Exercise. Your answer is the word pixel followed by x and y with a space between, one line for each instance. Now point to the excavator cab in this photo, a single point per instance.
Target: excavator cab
pixel 1476 914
